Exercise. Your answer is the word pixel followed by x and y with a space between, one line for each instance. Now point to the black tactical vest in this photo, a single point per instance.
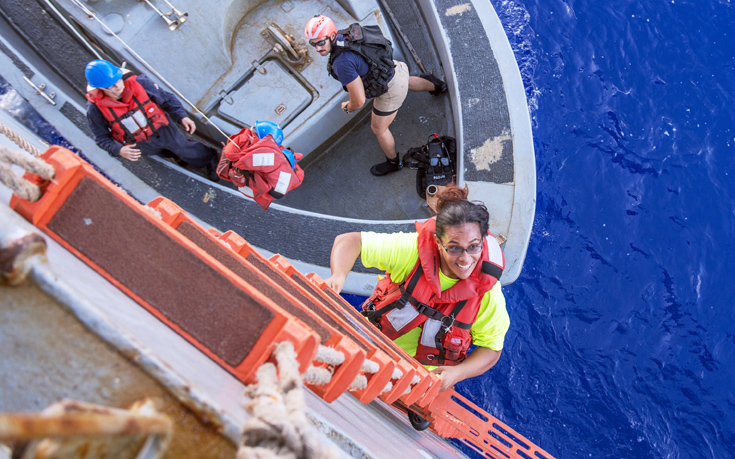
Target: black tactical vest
pixel 371 45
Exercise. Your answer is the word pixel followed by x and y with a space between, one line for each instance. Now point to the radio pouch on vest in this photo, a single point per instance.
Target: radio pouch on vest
pixel 441 333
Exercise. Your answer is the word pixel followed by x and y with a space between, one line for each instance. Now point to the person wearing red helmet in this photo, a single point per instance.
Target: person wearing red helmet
pixel 131 116
pixel 361 58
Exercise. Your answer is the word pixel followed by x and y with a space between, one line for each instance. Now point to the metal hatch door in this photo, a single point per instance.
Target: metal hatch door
pixel 271 93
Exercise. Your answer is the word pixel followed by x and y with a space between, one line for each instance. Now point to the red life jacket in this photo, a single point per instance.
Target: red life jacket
pixel 259 168
pixel 445 317
pixel 135 117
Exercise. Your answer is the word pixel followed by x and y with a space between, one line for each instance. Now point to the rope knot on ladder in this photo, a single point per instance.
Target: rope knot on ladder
pixel 279 427
pixel 28 162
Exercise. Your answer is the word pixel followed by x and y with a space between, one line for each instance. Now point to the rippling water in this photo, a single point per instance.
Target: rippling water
pixel 621 342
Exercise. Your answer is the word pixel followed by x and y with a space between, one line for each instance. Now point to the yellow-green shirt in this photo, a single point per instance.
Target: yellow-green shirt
pixel 397 254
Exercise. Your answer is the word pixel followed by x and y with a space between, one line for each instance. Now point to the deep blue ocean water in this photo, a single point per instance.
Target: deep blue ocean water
pixel 622 339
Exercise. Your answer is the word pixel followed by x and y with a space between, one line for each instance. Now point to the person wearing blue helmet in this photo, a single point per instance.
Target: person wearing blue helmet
pixel 130 117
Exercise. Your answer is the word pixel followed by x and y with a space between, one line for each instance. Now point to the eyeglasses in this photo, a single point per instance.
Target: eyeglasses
pixel 319 43
pixel 457 251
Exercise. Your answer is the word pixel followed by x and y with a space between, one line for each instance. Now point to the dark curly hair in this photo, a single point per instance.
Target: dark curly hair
pixel 453 209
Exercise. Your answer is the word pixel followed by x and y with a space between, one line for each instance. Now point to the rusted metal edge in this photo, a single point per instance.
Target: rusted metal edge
pixel 51 284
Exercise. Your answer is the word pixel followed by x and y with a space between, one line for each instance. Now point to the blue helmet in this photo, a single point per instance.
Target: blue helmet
pixel 263 128
pixel 290 157
pixel 102 74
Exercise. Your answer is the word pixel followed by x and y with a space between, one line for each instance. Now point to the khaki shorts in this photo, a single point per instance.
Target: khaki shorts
pixel 387 103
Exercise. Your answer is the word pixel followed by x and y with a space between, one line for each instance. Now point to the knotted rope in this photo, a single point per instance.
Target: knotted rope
pixel 29 162
pixel 279 427
pixel 20 141
pixel 320 375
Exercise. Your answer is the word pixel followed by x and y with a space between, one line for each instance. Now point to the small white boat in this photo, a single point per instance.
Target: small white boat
pixel 236 62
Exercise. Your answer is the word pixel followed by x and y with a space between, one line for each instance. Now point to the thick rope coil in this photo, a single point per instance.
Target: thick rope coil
pixel 19 185
pixel 279 427
pixel 20 141
pixel 27 162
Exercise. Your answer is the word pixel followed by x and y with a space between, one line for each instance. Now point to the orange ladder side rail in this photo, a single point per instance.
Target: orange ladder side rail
pixel 454 416
pixel 408 366
pixel 343 375
pixel 74 177
pixel 376 382
pixel 401 384
pixel 426 389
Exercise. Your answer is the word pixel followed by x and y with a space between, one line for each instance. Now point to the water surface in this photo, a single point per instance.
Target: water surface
pixel 621 342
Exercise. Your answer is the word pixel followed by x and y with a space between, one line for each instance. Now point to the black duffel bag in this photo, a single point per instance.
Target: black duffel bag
pixel 435 162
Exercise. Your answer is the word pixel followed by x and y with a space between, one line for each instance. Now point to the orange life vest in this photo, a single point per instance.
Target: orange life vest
pixel 259 168
pixel 444 317
pixel 135 117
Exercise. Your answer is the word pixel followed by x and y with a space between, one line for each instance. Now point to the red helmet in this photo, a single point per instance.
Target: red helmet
pixel 319 26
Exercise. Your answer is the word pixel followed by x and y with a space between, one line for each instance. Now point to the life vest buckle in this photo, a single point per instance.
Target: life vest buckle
pixel 447 323
pixel 401 302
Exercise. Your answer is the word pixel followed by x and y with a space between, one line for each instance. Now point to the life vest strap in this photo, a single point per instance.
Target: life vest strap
pixel 427 310
pixel 249 176
pixel 432 313
pixel 374 316
pixel 245 173
pixel 140 106
pixel 492 269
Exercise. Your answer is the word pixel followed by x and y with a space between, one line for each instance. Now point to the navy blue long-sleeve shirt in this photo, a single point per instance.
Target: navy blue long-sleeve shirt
pixel 101 128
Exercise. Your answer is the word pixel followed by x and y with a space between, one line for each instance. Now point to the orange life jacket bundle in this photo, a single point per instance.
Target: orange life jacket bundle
pixel 259 168
pixel 445 317
pixel 135 117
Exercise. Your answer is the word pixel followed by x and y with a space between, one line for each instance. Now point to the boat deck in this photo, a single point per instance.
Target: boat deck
pixel 484 109
pixel 344 168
